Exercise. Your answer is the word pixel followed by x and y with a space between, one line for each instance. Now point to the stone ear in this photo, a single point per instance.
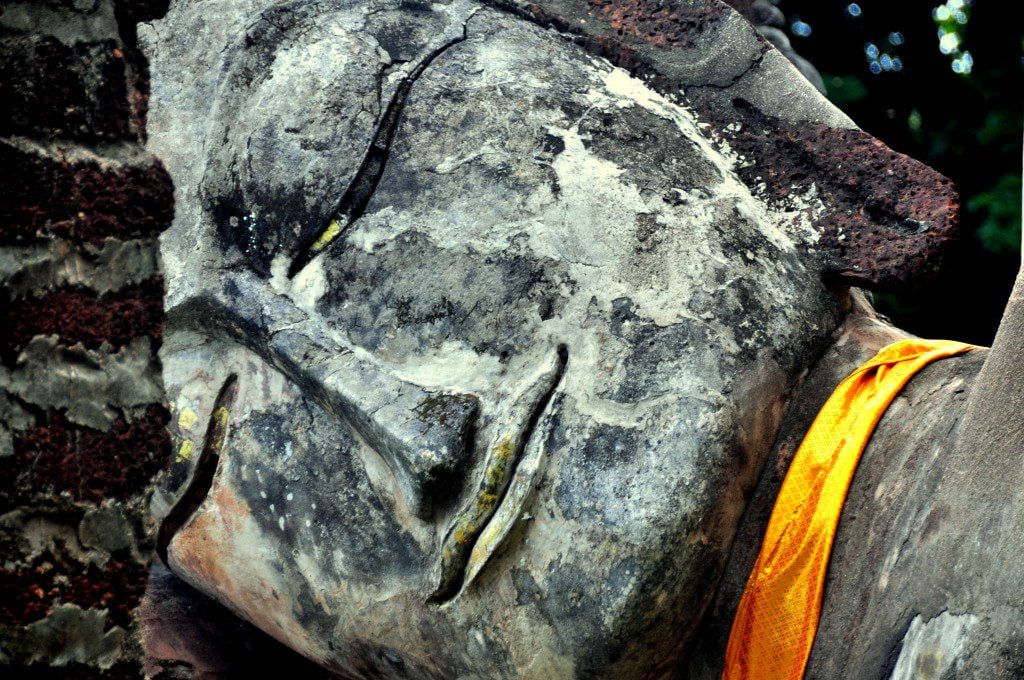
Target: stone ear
pixel 884 219
pixel 880 219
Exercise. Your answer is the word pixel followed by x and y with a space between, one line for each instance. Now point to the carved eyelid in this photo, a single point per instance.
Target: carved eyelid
pixel 357 196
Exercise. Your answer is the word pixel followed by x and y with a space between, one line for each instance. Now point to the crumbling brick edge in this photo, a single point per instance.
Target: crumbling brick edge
pixel 82 420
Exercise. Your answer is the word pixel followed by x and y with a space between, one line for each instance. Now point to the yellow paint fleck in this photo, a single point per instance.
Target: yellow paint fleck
pixel 328 235
pixel 221 416
pixel 185 452
pixel 187 418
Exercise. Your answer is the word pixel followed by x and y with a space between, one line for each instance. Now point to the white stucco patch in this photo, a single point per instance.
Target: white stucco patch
pixel 932 647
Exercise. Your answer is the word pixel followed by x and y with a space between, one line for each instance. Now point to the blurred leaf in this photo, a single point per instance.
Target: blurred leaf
pixel 844 90
pixel 1000 127
pixel 914 120
pixel 999 208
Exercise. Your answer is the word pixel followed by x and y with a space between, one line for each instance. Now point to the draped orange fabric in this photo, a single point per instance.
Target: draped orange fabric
pixel 777 617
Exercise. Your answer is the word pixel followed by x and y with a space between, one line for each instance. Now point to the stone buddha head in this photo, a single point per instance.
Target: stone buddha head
pixel 481 325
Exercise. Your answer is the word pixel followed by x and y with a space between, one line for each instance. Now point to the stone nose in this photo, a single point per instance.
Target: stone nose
pixel 426 445
pixel 424 436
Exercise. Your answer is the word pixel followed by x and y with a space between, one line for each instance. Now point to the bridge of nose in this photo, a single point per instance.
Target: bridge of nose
pixel 424 435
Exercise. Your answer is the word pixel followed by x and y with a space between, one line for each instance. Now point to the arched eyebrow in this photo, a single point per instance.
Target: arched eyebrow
pixel 356 197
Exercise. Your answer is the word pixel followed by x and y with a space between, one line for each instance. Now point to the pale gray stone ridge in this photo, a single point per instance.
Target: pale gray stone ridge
pixel 68 634
pixel 39 268
pixel 92 387
pixel 933 648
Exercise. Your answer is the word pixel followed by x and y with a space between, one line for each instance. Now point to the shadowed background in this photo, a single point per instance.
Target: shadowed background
pixel 941 82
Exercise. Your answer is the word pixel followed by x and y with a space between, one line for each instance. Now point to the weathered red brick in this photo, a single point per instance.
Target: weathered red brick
pixel 28 593
pixel 58 456
pixel 42 195
pixel 76 91
pixel 77 314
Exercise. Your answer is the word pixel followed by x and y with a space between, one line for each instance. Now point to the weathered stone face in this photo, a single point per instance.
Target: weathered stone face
pixel 496 413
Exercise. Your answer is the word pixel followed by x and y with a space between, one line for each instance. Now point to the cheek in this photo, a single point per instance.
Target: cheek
pixel 618 547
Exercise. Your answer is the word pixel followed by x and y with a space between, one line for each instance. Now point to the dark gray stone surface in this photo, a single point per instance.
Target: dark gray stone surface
pixel 922 576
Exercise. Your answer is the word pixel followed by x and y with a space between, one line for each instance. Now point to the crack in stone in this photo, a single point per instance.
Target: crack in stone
pixel 364 183
pixel 755 63
pixel 206 467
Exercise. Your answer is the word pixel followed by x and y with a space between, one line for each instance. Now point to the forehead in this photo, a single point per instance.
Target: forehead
pixel 511 141
pixel 880 216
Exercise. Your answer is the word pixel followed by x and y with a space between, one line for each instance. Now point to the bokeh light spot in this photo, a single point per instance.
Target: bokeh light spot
pixel 949 42
pixel 801 28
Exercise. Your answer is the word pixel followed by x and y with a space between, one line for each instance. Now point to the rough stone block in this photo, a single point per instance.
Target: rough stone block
pixel 58 456
pixel 76 314
pixel 79 91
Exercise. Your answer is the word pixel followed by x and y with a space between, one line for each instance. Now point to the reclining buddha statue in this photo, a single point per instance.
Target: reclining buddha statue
pixel 494 325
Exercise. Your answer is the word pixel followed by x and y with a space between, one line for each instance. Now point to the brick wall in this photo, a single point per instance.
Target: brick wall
pixel 81 421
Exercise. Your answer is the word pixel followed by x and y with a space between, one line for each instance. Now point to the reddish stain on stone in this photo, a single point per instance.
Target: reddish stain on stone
pixel 887 219
pixel 892 218
pixel 663 24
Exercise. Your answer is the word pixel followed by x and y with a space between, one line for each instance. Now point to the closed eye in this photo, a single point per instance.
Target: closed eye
pixel 364 183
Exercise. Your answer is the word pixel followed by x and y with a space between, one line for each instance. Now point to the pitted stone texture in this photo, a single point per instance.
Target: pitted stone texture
pixel 68 191
pixel 81 421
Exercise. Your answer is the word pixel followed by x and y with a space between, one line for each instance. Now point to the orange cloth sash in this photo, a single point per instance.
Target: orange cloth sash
pixel 778 614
